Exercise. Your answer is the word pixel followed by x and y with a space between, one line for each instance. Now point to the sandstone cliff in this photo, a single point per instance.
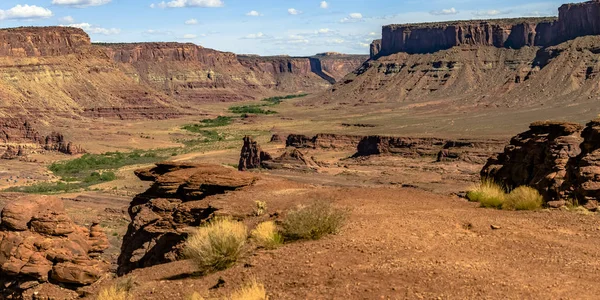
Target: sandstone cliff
pixel 55 72
pixel 574 20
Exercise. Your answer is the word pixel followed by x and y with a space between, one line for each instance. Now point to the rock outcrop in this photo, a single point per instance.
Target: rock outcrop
pixel 324 141
pixel 291 159
pixel 161 217
pixel 252 155
pixel 559 159
pixel 542 157
pixel 574 20
pixel 39 243
pixel 374 49
pixel 14 131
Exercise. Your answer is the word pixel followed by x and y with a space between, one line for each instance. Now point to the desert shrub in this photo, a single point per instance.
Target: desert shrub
pixel 488 193
pixel 266 235
pixel 113 293
pixel 195 296
pixel 217 245
pixel 313 221
pixel 523 198
pixel 251 291
pixel 261 207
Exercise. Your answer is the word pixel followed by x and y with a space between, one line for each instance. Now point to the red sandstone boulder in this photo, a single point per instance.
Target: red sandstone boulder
pixel 39 242
pixel 162 216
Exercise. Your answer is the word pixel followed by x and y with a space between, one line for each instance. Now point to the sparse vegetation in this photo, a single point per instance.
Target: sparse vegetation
pixel 266 235
pixel 523 198
pixel 492 195
pixel 279 99
pixel 67 184
pixel 119 291
pixel 261 208
pixel 89 163
pixel 253 290
pixel 255 109
pixel 314 221
pixel 208 123
pixel 217 245
pixel 488 193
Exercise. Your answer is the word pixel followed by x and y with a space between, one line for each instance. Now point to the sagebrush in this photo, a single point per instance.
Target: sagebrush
pixel 314 221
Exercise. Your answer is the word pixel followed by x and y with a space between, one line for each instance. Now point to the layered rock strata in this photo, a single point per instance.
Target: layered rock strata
pixel 561 160
pixel 163 216
pixel 574 20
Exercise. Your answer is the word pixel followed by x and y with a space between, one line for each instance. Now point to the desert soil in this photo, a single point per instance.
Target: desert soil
pixel 402 243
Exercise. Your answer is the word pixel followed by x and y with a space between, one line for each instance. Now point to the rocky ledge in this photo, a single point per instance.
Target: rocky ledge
pixel 162 217
pixel 561 160
pixel 39 244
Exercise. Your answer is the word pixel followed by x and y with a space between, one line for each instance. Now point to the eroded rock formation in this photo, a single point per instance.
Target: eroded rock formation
pixel 162 217
pixel 39 243
pixel 252 155
pixel 292 159
pixel 541 158
pixel 14 131
pixel 559 159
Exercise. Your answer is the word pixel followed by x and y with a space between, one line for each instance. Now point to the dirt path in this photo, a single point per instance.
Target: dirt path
pixel 410 244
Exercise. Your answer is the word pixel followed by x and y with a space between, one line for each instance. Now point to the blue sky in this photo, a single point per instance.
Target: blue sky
pixel 265 27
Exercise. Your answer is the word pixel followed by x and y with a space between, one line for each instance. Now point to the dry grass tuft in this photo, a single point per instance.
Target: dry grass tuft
pixel 251 291
pixel 217 245
pixel 488 193
pixel 195 296
pixel 266 235
pixel 113 293
pixel 261 208
pixel 314 221
pixel 523 198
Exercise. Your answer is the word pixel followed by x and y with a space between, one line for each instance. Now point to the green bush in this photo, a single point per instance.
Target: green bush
pixel 523 198
pixel 208 123
pixel 314 221
pixel 251 109
pixel 277 100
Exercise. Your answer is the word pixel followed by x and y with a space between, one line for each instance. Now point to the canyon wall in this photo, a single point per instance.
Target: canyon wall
pixel 575 20
pixel 50 72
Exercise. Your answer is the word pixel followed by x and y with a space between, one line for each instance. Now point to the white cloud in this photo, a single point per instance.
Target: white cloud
pixel 191 22
pixel 353 17
pixel 364 45
pixel 324 5
pixel 189 3
pixel 293 11
pixel 157 32
pixel 373 33
pixel 66 20
pixel 323 31
pixel 81 3
pixel 256 36
pixel 25 12
pixel 253 13
pixel 490 13
pixel 189 36
pixel 337 41
pixel 449 11
pixel 89 28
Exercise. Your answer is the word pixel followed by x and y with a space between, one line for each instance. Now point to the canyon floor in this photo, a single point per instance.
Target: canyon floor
pixel 409 236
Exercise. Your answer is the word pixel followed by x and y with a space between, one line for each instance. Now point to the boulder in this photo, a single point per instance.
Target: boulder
pixel 162 216
pixel 39 243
